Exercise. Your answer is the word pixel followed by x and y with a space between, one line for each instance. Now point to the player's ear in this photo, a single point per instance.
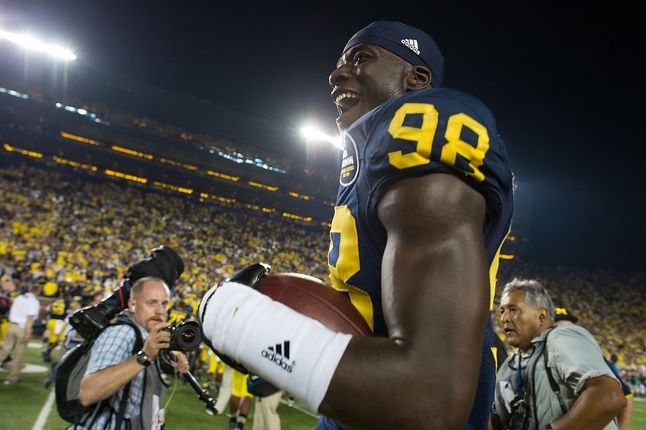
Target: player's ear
pixel 418 78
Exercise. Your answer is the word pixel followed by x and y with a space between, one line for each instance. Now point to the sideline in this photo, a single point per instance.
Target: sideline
pixel 44 412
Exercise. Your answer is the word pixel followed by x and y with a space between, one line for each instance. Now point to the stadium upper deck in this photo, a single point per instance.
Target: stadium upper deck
pixel 129 149
pixel 109 124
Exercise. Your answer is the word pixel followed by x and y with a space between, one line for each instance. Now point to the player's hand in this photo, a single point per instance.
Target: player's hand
pixel 157 340
pixel 181 364
pixel 250 276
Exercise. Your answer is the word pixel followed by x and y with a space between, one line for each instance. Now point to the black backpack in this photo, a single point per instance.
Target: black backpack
pixel 70 372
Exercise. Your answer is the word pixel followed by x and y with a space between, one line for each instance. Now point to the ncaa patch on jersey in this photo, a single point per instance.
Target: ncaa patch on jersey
pixel 349 161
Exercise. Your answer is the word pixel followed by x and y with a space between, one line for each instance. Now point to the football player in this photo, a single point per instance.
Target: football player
pixel 424 204
pixel 58 310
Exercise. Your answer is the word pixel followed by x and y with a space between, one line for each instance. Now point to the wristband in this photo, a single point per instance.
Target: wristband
pixel 284 347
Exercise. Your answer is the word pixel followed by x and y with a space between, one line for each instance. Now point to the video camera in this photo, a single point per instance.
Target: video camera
pixel 163 262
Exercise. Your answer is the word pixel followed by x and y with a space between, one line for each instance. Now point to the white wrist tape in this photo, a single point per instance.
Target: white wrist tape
pixel 288 349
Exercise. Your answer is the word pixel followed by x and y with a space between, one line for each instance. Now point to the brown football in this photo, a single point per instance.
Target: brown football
pixel 310 296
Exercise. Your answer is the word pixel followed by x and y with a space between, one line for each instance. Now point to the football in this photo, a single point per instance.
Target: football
pixel 310 296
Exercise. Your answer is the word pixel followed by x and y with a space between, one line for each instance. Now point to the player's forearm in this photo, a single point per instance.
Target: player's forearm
pixel 598 404
pixel 373 388
pixel 431 373
pixel 104 383
pixel 245 326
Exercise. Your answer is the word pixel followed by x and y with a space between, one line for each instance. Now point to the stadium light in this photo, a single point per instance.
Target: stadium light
pixel 33 44
pixel 311 133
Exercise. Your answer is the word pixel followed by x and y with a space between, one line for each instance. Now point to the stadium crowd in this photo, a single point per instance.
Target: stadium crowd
pixel 82 234
pixel 76 236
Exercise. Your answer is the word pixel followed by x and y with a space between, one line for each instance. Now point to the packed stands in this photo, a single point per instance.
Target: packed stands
pixel 83 232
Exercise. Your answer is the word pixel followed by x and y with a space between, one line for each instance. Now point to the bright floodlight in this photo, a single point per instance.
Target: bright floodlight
pixel 33 44
pixel 312 134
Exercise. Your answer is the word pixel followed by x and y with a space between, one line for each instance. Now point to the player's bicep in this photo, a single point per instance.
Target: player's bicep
pixel 434 265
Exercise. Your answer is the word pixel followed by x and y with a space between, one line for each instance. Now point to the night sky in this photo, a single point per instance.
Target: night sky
pixel 565 84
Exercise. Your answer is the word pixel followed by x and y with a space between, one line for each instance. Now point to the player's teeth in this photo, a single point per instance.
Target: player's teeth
pixel 344 96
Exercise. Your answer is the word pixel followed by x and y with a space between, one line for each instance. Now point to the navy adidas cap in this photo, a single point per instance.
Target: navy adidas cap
pixel 405 41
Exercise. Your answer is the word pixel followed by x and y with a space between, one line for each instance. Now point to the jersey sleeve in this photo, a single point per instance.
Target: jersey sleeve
pixel 439 131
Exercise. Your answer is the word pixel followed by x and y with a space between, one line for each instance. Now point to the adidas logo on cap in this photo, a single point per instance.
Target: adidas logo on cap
pixel 411 44
pixel 279 355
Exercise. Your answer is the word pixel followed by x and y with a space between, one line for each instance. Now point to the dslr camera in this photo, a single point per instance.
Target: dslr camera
pixel 520 415
pixel 184 336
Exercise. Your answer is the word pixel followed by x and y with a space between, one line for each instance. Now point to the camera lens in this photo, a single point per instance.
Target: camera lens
pixel 188 335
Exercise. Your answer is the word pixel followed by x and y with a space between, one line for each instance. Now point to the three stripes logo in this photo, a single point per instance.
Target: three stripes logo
pixel 279 355
pixel 411 44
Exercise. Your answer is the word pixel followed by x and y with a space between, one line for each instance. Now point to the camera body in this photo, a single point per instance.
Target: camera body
pixel 520 415
pixel 184 336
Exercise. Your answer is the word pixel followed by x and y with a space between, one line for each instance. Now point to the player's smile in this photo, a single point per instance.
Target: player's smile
pixel 345 100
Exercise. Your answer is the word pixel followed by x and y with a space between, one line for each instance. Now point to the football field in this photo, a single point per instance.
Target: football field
pixel 639 415
pixel 29 405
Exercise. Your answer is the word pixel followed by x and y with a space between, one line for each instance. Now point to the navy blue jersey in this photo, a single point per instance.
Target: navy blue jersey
pixel 419 133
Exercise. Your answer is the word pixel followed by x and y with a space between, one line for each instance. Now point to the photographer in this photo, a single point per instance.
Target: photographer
pixel 564 317
pixel 558 378
pixel 113 368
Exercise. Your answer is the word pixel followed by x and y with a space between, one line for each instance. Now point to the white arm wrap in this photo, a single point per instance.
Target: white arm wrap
pixel 288 349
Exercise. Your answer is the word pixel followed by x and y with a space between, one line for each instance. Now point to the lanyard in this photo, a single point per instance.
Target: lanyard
pixel 519 379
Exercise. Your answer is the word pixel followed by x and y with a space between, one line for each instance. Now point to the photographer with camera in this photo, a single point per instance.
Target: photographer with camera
pixel 557 379
pixel 123 379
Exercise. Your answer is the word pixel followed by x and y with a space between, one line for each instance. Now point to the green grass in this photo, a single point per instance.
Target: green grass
pixel 639 415
pixel 20 405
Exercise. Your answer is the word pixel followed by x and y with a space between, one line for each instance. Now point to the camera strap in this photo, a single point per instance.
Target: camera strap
pixel 521 383
pixel 519 377
pixel 553 384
